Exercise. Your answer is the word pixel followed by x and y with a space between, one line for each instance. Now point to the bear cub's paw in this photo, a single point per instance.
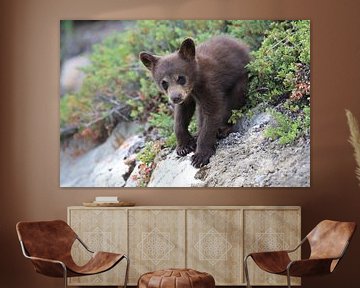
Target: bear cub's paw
pixel 184 149
pixel 200 159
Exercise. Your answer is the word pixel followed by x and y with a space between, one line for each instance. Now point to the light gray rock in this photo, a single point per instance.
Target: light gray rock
pixel 175 171
pixel 71 76
pixel 105 165
pixel 243 159
pixel 132 181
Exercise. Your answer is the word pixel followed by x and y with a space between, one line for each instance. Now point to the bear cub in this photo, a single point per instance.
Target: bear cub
pixel 210 78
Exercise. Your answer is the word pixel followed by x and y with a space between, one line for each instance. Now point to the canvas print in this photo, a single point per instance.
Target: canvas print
pixel 185 103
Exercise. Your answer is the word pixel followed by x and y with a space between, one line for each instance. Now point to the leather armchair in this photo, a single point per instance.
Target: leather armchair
pixel 48 245
pixel 328 242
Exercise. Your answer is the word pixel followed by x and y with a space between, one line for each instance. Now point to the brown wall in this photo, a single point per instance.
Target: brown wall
pixel 29 123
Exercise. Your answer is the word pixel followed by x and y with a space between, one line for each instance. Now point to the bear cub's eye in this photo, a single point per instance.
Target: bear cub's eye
pixel 181 80
pixel 165 85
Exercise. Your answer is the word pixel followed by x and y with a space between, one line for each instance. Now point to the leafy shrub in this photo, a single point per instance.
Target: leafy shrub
pixel 273 70
pixel 287 129
pixel 252 32
pixel 280 73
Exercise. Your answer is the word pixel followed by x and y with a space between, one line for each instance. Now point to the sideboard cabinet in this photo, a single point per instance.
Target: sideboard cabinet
pixel 211 239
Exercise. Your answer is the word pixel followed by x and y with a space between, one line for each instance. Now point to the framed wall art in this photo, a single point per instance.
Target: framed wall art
pixel 185 103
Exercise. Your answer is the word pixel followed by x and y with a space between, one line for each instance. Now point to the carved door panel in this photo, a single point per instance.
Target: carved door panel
pixel 214 244
pixel 269 230
pixel 156 240
pixel 101 230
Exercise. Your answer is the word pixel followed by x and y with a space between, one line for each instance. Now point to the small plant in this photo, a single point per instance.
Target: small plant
pixel 235 116
pixel 144 176
pixel 149 152
pixel 163 122
pixel 287 129
pixel 146 157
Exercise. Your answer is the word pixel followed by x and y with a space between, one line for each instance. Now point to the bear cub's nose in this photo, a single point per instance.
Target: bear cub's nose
pixel 176 98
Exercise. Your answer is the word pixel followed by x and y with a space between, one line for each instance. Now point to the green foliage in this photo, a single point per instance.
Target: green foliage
pixel 163 122
pixel 252 32
pixel 148 153
pixel 281 70
pixel 306 120
pixel 235 116
pixel 287 128
pixel 71 107
pixel 273 69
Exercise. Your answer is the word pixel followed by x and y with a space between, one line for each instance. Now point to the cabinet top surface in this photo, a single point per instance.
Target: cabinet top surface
pixel 193 207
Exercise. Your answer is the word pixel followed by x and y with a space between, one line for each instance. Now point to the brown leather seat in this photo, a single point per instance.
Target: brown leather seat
pixel 328 242
pixel 176 278
pixel 48 245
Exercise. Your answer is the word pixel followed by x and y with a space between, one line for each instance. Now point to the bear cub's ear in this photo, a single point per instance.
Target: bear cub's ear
pixel 187 49
pixel 148 60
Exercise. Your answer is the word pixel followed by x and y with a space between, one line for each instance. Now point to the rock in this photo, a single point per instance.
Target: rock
pixel 175 171
pixel 132 180
pixel 71 78
pixel 106 165
pixel 122 132
pixel 243 159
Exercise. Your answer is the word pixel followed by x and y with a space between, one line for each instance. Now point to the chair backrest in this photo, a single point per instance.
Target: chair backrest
pixel 46 239
pixel 329 239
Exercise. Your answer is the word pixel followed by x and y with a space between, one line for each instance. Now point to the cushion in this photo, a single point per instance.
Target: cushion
pixel 176 278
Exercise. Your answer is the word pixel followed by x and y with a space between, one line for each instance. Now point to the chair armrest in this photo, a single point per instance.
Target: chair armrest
pixel 48 267
pixel 281 251
pixel 309 267
pixel 84 245
pixel 298 246
pixel 45 260
pixel 268 253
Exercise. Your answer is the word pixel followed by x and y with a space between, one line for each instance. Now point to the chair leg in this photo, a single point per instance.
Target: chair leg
pixel 127 271
pixel 246 272
pixel 65 276
pixel 288 278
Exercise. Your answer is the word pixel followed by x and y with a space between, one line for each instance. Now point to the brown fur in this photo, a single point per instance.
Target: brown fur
pixel 215 83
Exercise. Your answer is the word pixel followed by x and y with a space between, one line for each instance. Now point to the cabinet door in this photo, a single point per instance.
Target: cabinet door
pixel 101 230
pixel 156 240
pixel 270 230
pixel 214 244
